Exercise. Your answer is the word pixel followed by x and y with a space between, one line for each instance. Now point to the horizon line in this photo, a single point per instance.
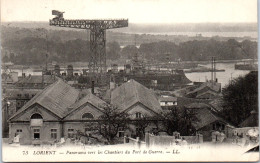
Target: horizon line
pixel 148 23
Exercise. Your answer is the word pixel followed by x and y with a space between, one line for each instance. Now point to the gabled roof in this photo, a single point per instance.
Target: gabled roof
pixel 56 98
pixel 206 117
pixel 207 93
pixel 133 92
pixel 214 87
pixel 37 79
pixel 90 98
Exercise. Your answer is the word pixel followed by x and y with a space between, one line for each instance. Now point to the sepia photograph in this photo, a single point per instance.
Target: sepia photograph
pixel 129 80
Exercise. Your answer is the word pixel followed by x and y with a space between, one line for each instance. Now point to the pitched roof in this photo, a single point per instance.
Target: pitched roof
pixel 182 101
pixel 37 79
pixel 251 121
pixel 167 98
pixel 133 92
pixel 208 93
pixel 217 104
pixel 196 105
pixel 90 98
pixel 13 92
pixel 56 98
pixel 206 117
pixel 215 87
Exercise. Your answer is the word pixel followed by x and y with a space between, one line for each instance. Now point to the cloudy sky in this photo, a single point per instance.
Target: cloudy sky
pixel 137 11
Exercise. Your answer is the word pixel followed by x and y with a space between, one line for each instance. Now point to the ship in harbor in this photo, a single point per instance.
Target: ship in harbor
pixel 247 66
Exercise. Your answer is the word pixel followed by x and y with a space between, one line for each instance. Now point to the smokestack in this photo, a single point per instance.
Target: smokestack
pixel 92 87
pixel 212 69
pixel 215 69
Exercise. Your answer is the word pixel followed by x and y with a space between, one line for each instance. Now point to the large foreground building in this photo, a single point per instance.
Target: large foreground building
pixel 60 111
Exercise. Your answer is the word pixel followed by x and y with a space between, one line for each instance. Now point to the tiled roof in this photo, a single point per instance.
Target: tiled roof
pixel 37 79
pixel 133 92
pixel 56 98
pixel 206 117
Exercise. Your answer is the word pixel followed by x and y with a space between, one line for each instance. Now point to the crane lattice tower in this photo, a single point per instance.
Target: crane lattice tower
pixel 97 63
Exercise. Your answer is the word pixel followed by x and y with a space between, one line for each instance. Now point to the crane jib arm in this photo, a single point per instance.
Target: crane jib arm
pixel 97 62
pixel 88 24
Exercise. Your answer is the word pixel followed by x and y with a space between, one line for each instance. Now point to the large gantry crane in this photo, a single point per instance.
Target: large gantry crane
pixel 97 63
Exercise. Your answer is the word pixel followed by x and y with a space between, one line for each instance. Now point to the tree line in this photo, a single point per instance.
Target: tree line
pixel 31 46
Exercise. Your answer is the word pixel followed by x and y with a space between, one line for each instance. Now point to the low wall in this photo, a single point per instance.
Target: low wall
pixel 152 140
pixel 133 142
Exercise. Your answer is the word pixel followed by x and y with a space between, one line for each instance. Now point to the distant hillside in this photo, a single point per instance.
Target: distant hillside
pixel 158 28
pixel 28 43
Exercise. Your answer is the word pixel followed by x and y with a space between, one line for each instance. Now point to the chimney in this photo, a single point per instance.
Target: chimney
pixel 70 71
pixel 57 70
pixel 92 87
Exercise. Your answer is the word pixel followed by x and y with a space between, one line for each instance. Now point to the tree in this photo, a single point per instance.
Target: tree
pixel 113 50
pixel 129 51
pixel 110 121
pixel 240 98
pixel 144 121
pixel 180 120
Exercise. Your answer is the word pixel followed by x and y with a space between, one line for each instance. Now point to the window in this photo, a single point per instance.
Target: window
pixel 19 95
pixel 36 116
pixel 87 116
pixel 54 133
pixel 138 115
pixel 26 95
pixel 70 133
pixel 36 120
pixel 214 126
pixel 162 103
pixel 121 132
pixel 36 133
pixel 19 131
pixel 222 127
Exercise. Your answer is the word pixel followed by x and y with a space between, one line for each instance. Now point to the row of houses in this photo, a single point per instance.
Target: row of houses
pixel 59 111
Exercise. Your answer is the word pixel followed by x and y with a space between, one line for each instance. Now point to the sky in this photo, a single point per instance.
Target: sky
pixel 137 11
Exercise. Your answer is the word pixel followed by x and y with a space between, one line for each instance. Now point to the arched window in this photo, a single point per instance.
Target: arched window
pixel 36 120
pixel 87 116
pixel 36 116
